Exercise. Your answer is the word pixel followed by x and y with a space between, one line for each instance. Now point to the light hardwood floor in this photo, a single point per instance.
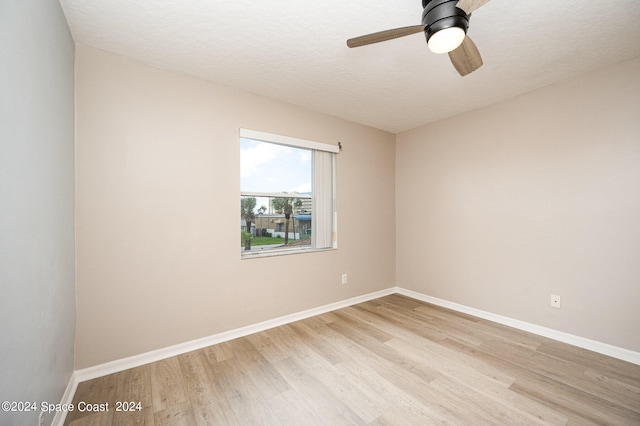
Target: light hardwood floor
pixel 393 360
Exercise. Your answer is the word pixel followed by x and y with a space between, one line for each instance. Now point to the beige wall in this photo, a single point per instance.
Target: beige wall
pixel 158 169
pixel 495 209
pixel 501 207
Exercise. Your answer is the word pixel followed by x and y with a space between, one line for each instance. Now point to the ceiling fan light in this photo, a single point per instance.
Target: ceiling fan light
pixel 446 40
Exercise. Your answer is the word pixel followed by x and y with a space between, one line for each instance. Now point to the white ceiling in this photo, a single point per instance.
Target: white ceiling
pixel 296 51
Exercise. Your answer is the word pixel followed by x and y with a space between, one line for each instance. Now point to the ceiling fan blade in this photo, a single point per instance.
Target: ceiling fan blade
pixel 384 35
pixel 470 5
pixel 466 58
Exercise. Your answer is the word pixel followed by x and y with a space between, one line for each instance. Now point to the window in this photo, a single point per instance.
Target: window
pixel 287 195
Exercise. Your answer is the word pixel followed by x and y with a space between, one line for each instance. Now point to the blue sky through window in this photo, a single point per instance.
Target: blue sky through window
pixel 268 167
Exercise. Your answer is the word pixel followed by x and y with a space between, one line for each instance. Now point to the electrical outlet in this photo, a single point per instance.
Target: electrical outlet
pixel 344 278
pixel 556 301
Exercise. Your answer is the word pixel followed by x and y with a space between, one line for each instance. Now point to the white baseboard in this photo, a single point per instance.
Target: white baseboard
pixel 182 348
pixel 67 398
pixel 152 356
pixel 135 361
pixel 582 342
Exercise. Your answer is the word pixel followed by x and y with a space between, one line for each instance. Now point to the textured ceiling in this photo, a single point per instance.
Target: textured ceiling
pixel 296 51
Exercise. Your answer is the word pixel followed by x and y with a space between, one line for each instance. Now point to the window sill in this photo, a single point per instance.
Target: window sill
pixel 253 254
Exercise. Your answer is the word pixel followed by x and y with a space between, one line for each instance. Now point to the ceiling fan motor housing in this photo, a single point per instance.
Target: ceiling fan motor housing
pixel 441 14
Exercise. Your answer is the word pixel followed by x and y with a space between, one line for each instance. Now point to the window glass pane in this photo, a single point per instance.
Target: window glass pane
pixel 267 167
pixel 285 225
pixel 269 220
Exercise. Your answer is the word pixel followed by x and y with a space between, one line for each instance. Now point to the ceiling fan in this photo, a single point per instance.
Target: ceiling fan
pixel 445 24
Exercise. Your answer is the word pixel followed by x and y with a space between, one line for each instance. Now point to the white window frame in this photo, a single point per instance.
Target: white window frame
pixel 306 144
